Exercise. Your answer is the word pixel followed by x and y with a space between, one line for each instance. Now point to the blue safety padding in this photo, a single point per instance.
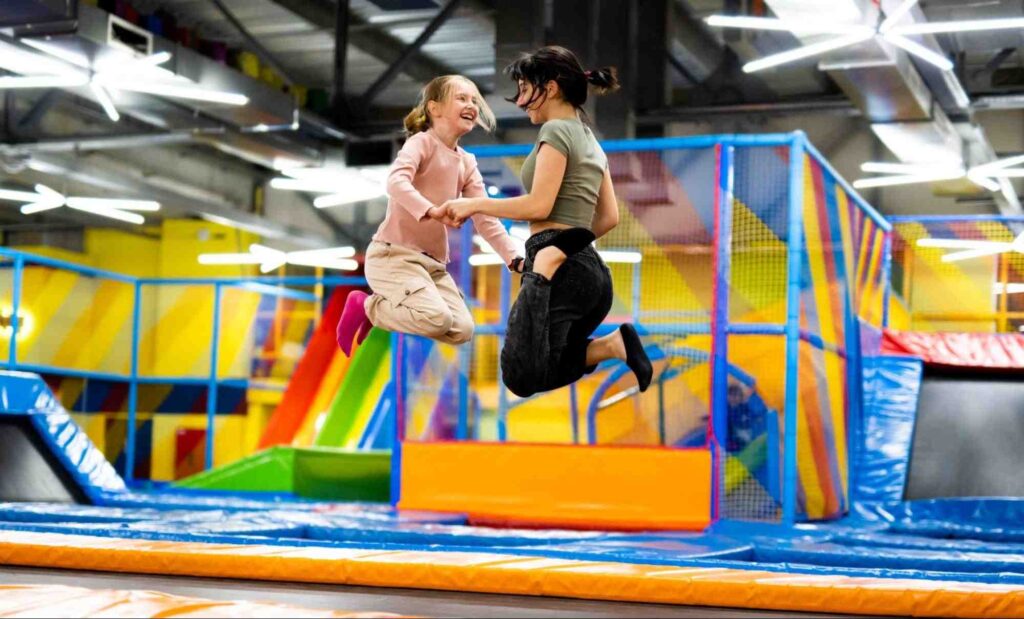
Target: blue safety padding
pixel 243 527
pixel 832 548
pixel 654 557
pixel 427 534
pixel 832 555
pixel 897 540
pixel 984 513
pixel 946 529
pixel 23 393
pixel 222 501
pixel 891 389
pixel 653 551
pixel 62 512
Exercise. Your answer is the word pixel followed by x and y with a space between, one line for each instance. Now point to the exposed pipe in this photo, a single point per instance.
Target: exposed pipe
pixel 837 106
pixel 110 142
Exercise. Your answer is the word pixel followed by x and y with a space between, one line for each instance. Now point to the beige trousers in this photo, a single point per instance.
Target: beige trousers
pixel 413 293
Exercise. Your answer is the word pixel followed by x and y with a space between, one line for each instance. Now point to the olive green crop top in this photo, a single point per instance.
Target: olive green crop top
pixel 584 170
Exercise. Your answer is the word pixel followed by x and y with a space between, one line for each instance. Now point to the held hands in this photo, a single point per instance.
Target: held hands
pixel 452 213
pixel 440 213
pixel 459 209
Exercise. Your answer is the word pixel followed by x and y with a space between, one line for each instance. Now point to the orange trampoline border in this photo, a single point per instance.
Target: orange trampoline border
pixel 494 573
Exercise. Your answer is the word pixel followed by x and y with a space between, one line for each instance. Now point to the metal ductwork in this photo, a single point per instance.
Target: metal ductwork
pixel 254 132
pixel 701 52
pixel 909 110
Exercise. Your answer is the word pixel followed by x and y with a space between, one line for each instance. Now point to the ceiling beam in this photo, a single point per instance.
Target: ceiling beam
pixel 262 52
pixel 375 42
pixel 408 53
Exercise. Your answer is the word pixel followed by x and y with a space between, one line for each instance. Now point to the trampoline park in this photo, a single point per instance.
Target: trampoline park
pixel 833 427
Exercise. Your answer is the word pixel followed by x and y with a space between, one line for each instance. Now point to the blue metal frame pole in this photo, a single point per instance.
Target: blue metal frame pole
pixel 133 386
pixel 886 277
pixel 720 318
pixel 935 219
pixel 647 144
pixel 504 300
pixel 398 381
pixel 465 352
pixel 211 396
pixel 794 245
pixel 19 269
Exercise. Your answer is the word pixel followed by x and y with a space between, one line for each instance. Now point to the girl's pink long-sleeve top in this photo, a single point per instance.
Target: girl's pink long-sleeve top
pixel 427 173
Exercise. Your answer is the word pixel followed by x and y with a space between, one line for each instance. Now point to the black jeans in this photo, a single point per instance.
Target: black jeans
pixel 550 324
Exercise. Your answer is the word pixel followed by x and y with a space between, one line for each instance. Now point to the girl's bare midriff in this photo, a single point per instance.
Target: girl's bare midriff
pixel 540 226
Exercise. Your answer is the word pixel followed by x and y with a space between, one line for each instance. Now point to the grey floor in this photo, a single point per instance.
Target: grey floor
pixel 400 601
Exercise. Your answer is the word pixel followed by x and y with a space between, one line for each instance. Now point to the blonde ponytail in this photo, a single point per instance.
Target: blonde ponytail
pixel 417 120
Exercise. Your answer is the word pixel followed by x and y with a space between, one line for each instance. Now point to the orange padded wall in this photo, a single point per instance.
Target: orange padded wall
pixel 560 485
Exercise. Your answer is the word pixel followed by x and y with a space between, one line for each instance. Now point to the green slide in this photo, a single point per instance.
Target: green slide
pixel 326 471
pixel 363 385
pixel 311 472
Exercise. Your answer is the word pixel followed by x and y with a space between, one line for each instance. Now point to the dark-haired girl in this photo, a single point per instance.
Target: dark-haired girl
pixel 566 288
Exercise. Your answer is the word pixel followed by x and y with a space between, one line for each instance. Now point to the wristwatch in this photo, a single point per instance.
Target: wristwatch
pixel 515 264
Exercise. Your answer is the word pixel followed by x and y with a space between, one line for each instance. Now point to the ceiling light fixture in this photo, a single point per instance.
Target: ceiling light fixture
pixel 984 175
pixel 887 30
pixel 269 259
pixel 46 199
pixel 340 185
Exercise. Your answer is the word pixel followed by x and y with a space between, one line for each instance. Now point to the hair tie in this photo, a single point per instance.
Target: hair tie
pixel 588 74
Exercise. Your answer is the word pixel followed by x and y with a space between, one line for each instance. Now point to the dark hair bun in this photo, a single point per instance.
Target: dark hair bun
pixel 604 79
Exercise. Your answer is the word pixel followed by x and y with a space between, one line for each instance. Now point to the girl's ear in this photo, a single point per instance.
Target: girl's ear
pixel 551 88
pixel 432 108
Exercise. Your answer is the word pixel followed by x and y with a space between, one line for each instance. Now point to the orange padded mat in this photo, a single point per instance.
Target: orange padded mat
pixel 493 573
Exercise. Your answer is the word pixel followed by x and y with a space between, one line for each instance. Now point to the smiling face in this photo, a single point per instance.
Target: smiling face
pixel 459 112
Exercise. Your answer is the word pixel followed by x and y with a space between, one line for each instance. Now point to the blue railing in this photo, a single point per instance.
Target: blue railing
pixel 717 322
pixel 271 286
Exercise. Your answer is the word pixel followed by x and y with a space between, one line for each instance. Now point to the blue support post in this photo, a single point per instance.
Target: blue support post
pixel 211 396
pixel 794 258
pixel 133 386
pixel 504 300
pixel 725 174
pixel 772 456
pixel 886 277
pixel 465 352
pixel 398 382
pixel 19 269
